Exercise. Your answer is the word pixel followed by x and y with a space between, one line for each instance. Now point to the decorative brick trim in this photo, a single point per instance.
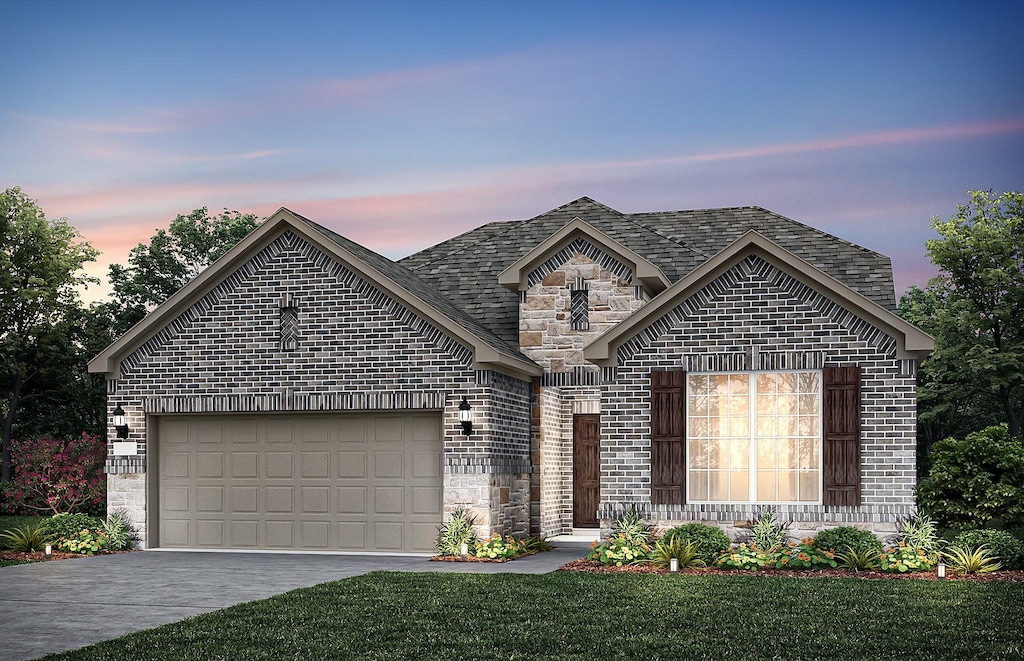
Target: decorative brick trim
pixel 362 401
pixel 577 377
pixel 579 247
pixel 124 465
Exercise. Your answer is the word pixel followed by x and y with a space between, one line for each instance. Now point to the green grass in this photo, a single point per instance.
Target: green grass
pixel 587 616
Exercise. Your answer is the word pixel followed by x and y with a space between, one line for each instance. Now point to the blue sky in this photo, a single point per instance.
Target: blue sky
pixel 402 124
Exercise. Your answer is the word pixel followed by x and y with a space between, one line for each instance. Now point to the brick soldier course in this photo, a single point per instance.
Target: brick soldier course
pixel 533 322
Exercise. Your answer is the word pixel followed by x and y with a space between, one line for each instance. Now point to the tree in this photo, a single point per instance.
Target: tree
pixel 40 269
pixel 172 258
pixel 979 326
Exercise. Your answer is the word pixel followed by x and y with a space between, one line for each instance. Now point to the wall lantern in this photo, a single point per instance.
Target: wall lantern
pixel 464 417
pixel 120 422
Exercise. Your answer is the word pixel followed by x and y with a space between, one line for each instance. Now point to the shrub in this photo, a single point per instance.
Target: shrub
pixel 767 530
pixel 845 538
pixel 902 558
pixel 120 532
pixel 1002 544
pixel 620 550
pixel 57 475
pixel 631 523
pixel 66 525
pixel 86 541
pixel 859 560
pixel 687 555
pixel 971 561
pixel 745 557
pixel 25 539
pixel 455 532
pixel 975 480
pixel 497 547
pixel 711 541
pixel 535 544
pixel 917 531
pixel 803 555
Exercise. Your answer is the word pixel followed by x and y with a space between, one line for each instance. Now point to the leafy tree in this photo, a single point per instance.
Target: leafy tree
pixel 976 480
pixel 40 269
pixel 172 258
pixel 979 320
pixel 60 475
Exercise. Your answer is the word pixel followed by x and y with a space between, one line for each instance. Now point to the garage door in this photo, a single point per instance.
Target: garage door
pixel 347 482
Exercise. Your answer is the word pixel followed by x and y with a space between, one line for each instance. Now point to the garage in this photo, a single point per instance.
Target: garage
pixel 313 482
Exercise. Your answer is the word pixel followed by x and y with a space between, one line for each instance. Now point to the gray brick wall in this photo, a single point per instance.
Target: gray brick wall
pixel 755 317
pixel 356 349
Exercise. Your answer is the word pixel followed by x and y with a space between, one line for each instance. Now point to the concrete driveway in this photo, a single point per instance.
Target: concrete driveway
pixel 54 606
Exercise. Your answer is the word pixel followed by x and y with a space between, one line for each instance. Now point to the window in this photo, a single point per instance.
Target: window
pixel 753 437
pixel 578 307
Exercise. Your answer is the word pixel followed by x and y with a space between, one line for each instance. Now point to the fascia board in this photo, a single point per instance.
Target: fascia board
pixel 911 341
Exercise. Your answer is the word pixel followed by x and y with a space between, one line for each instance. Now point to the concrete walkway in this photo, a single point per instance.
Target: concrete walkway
pixel 54 606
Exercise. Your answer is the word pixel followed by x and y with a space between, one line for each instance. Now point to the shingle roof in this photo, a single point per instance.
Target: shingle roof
pixel 465 268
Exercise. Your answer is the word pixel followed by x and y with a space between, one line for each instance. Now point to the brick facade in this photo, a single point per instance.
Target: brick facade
pixel 355 349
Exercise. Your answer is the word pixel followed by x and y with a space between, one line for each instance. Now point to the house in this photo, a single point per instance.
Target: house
pixel 305 392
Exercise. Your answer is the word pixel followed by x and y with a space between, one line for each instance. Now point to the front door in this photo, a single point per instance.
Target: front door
pixel 586 469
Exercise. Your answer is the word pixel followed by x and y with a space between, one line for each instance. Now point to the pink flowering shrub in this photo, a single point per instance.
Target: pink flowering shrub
pixel 57 475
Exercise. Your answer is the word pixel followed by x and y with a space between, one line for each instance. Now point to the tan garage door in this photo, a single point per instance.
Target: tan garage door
pixel 347 482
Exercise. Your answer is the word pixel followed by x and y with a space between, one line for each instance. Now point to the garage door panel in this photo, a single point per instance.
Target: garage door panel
pixel 388 464
pixel 210 464
pixel 244 499
pixel 354 482
pixel 316 464
pixel 352 464
pixel 280 464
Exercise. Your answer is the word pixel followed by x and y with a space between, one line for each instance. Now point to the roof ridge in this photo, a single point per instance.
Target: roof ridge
pixel 678 242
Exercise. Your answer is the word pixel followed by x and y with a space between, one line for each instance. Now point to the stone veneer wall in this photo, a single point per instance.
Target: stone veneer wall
pixel 755 317
pixel 357 349
pixel 545 331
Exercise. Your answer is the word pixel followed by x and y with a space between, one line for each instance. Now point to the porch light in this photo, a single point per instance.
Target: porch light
pixel 120 422
pixel 465 417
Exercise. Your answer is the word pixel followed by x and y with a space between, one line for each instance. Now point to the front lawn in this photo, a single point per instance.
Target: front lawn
pixel 588 616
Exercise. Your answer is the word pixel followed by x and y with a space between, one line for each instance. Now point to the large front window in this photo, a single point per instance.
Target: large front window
pixel 754 437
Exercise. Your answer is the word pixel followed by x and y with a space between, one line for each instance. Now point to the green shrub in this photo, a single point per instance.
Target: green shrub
pixel 746 557
pixel 1002 544
pixel 845 538
pixel 970 560
pixel 711 541
pixel 66 525
pixel 975 480
pixel 859 560
pixel 25 539
pixel 120 531
pixel 631 523
pixel 803 555
pixel 917 531
pixel 903 559
pixel 455 532
pixel 535 544
pixel 687 555
pixel 620 550
pixel 497 547
pixel 86 541
pixel 768 530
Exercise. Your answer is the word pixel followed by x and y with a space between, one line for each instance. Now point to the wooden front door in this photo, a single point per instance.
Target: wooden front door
pixel 586 469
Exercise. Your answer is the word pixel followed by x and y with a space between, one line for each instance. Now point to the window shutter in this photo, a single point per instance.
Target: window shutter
pixel 668 438
pixel 841 427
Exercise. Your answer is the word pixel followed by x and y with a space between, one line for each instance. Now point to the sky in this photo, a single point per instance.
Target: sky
pixel 399 125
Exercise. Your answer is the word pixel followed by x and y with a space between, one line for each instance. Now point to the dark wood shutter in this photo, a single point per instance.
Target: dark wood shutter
pixel 841 427
pixel 668 438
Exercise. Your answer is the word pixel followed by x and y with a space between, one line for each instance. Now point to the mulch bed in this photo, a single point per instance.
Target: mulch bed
pixel 40 556
pixel 473 558
pixel 593 566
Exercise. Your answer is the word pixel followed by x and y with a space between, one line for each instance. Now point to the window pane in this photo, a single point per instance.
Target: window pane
pixel 740 485
pixel 766 426
pixel 766 452
pixel 766 485
pixel 698 453
pixel 786 405
pixel 718 453
pixel 787 382
pixel 739 427
pixel 808 485
pixel 787 453
pixel 740 453
pixel 718 485
pixel 698 485
pixel 720 384
pixel 739 405
pixel 697 405
pixel 787 485
pixel 766 404
pixel 809 453
pixel 697 384
pixel 697 427
pixel 714 405
pixel 808 382
pixel 808 404
pixel 739 384
pixel 808 425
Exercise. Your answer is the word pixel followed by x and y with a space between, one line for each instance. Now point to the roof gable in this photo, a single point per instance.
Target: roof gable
pixel 911 342
pixel 395 280
pixel 515 277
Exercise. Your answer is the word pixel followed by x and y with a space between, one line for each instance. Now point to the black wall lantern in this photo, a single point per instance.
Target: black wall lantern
pixel 465 418
pixel 120 422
